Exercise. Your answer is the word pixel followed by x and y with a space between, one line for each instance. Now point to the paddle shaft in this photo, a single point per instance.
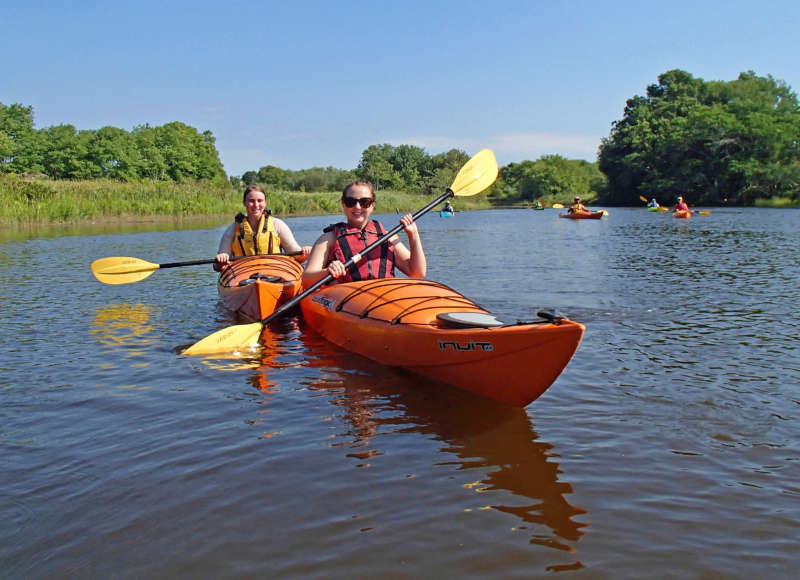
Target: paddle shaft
pixel 357 257
pixel 199 262
pixel 179 264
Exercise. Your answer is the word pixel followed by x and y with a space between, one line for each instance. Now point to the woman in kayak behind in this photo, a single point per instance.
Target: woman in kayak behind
pixel 258 232
pixel 340 241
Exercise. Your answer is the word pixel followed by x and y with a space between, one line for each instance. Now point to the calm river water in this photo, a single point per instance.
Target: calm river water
pixel 669 447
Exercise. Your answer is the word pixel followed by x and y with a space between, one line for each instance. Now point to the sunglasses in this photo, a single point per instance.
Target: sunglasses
pixel 364 202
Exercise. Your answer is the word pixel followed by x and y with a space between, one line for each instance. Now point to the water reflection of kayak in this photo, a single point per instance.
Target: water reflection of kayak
pixel 493 446
pixel 433 330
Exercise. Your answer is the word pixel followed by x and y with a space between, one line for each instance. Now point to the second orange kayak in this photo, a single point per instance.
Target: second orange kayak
pixel 254 286
pixel 433 330
pixel 682 213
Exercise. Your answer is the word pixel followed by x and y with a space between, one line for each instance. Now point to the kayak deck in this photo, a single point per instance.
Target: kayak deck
pixel 433 330
pixel 254 286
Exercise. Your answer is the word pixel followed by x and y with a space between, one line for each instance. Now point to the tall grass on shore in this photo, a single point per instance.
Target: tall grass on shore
pixel 36 200
pixel 25 200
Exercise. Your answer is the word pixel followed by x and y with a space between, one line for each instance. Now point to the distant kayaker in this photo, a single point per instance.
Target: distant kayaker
pixel 448 208
pixel 681 205
pixel 577 206
pixel 340 241
pixel 653 203
pixel 258 232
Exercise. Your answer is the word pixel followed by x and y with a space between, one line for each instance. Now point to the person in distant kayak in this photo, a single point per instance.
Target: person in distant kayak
pixel 258 232
pixel 681 205
pixel 653 203
pixel 577 206
pixel 341 241
pixel 448 208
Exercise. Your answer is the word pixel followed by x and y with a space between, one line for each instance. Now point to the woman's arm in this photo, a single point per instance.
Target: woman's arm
pixel 225 250
pixel 317 267
pixel 410 261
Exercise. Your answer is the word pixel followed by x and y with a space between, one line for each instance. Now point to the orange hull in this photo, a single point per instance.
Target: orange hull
pixel 582 215
pixel 395 321
pixel 254 286
pixel 682 213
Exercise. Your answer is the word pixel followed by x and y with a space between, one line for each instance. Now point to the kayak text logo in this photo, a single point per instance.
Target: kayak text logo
pixel 326 302
pixel 468 347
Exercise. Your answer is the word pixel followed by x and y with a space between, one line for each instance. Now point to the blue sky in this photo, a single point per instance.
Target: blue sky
pixel 312 83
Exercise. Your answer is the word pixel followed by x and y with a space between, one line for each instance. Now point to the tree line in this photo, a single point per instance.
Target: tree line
pixel 712 142
pixel 170 152
pixel 410 169
pixel 403 168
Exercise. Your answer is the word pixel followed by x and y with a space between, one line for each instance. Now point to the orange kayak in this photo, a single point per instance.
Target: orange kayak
pixel 682 213
pixel 254 286
pixel 582 215
pixel 433 330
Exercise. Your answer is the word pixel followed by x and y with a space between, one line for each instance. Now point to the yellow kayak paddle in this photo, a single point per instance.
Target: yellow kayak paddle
pixel 121 270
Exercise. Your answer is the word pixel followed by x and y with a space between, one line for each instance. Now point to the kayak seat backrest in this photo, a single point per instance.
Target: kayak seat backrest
pixel 468 320
pixel 266 277
pixel 262 277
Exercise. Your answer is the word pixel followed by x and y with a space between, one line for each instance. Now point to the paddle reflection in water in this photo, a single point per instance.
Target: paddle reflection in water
pixel 123 324
pixel 495 441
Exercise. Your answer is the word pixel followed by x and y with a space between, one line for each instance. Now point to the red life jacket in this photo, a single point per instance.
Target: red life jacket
pixel 379 263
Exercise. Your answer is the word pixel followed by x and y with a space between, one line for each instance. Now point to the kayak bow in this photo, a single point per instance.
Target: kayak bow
pixel 433 330
pixel 254 286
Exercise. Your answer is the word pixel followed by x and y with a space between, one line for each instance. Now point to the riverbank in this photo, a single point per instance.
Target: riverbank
pixel 36 201
pixel 28 202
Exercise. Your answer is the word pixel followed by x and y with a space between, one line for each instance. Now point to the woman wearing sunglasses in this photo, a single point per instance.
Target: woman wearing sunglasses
pixel 340 241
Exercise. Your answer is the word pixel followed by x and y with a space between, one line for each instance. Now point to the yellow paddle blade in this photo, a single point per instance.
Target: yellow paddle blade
pixel 558 206
pixel 604 212
pixel 704 212
pixel 643 198
pixel 118 270
pixel 477 174
pixel 237 337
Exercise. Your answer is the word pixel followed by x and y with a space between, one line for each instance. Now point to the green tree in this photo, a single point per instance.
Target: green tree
pixel 376 166
pixel 272 177
pixel 113 151
pixel 23 146
pixel 65 156
pixel 151 163
pixel 712 142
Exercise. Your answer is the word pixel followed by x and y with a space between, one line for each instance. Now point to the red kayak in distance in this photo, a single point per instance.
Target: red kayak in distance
pixel 582 215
